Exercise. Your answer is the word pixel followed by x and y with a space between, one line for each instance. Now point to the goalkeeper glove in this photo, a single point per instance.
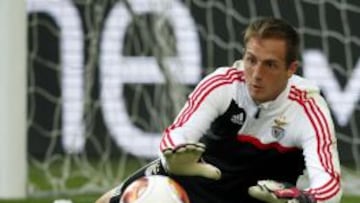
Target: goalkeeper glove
pixel 274 192
pixel 185 160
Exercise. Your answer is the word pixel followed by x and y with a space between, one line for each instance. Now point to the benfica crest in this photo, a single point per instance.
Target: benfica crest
pixel 277 130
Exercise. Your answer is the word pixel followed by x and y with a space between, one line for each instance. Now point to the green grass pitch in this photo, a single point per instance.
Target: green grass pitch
pixel 37 177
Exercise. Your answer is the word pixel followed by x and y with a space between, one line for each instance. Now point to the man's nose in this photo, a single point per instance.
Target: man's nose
pixel 257 72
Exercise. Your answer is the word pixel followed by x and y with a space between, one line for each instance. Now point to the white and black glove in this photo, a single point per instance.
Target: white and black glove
pixel 274 192
pixel 185 160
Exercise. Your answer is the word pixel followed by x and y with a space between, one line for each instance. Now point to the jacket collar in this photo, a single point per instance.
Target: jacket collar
pixel 253 108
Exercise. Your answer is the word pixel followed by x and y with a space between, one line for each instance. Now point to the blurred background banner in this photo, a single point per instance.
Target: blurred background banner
pixel 105 77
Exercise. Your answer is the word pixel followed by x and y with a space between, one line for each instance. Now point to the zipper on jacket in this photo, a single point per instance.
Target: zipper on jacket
pixel 257 114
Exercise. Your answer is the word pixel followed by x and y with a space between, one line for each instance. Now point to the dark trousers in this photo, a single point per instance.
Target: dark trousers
pixel 200 190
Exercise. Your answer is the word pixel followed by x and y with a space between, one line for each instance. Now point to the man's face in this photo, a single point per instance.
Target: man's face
pixel 266 72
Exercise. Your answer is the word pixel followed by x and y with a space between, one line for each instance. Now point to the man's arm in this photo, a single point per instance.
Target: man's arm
pixel 180 148
pixel 208 100
pixel 318 141
pixel 320 152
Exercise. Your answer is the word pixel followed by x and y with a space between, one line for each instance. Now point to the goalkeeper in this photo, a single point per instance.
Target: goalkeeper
pixel 249 131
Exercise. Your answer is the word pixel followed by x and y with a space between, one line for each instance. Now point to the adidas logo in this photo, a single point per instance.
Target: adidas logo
pixel 238 119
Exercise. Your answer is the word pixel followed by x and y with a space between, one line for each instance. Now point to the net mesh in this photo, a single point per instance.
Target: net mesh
pixel 105 77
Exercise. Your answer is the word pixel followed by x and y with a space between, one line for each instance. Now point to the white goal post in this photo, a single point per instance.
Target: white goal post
pixel 13 170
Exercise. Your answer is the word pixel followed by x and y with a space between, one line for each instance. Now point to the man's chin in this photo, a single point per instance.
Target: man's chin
pixel 258 98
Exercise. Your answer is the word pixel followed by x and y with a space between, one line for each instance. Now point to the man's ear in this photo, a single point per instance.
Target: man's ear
pixel 292 68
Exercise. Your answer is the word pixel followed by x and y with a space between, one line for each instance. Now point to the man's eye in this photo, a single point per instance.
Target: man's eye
pixel 271 65
pixel 250 60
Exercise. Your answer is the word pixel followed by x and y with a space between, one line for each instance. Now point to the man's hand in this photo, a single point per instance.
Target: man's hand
pixel 185 160
pixel 274 192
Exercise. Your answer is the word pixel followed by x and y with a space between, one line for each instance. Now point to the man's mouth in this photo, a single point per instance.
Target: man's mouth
pixel 256 86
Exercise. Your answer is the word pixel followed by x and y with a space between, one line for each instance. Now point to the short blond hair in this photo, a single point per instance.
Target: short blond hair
pixel 275 28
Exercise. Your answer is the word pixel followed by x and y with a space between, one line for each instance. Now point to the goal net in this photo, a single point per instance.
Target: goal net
pixel 105 77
